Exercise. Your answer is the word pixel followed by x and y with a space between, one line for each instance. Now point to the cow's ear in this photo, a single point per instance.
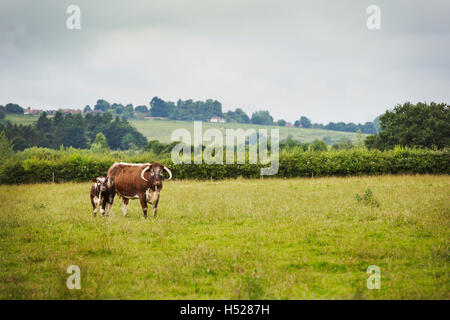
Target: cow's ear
pixel 94 179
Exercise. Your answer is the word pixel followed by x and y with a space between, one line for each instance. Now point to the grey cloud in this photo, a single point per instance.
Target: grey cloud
pixel 313 58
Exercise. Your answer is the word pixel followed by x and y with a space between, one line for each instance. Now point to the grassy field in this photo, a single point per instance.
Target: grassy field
pixel 20 119
pixel 162 130
pixel 235 239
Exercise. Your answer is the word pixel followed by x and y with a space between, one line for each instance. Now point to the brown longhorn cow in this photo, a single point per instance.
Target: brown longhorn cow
pixel 138 180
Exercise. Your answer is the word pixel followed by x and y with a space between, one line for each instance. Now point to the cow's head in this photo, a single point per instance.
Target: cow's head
pixel 154 173
pixel 100 183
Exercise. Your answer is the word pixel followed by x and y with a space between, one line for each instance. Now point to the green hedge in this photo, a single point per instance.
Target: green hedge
pixel 74 166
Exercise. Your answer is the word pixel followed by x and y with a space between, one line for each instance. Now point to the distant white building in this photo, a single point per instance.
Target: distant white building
pixel 217 120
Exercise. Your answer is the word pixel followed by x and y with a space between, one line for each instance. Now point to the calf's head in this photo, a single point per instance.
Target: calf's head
pixel 100 183
pixel 153 173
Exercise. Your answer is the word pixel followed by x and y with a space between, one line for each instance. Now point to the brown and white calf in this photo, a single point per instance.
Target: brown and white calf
pixel 100 194
pixel 141 181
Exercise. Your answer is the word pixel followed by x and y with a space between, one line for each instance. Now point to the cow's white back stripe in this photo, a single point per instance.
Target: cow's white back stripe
pixel 132 164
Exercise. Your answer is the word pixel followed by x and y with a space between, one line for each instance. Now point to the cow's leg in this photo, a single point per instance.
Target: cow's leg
pixel 124 206
pixel 110 200
pixel 102 204
pixel 155 200
pixel 143 200
pixel 94 205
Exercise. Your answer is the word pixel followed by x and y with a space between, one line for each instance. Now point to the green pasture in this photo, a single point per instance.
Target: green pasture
pixel 161 130
pixel 20 119
pixel 232 239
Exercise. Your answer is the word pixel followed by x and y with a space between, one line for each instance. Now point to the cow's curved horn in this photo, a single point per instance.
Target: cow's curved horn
pixel 143 171
pixel 169 172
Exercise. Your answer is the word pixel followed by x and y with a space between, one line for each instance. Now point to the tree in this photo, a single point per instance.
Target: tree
pixel 240 116
pixel 44 130
pixel 304 122
pixel 20 143
pixel 262 117
pixel 290 143
pixel 344 144
pixel 368 127
pixel 158 108
pixel 102 105
pixel 128 111
pixel 128 142
pixel 154 146
pixel 58 118
pixel 115 132
pixel 100 143
pixel 376 124
pixel 6 148
pixel 359 139
pixel 74 131
pixel 141 109
pixel 281 123
pixel 129 108
pixel 13 108
pixel 318 145
pixel 43 124
pixel 120 109
pixel 58 130
pixel 116 106
pixel 419 125
pixel 374 142
pixel 2 112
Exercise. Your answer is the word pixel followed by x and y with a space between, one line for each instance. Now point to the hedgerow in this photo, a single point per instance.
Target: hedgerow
pixel 46 165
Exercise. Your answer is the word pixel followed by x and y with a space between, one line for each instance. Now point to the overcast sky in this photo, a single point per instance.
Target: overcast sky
pixel 313 58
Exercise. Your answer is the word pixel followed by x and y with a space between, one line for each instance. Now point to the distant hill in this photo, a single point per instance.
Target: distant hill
pixel 162 129
pixel 157 129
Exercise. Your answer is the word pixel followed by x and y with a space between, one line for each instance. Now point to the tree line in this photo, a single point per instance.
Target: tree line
pixel 204 110
pixel 421 124
pixel 76 131
pixel 189 110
